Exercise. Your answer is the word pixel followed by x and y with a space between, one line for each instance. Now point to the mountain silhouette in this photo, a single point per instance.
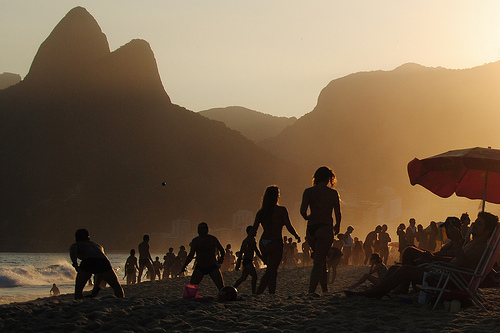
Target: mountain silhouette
pixel 367 126
pixel 88 137
pixel 256 126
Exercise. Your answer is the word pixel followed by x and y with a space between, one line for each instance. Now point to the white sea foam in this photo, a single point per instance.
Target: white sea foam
pixel 14 276
pixel 27 276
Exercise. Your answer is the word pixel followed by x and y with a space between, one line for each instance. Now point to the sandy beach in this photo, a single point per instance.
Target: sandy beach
pixel 159 307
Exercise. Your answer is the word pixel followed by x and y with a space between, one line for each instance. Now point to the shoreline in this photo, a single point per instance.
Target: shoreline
pixel 159 307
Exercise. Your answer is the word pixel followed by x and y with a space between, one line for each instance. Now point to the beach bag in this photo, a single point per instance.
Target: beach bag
pixel 190 291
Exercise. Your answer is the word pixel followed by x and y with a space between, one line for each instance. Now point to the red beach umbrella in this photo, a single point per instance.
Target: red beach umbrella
pixel 473 173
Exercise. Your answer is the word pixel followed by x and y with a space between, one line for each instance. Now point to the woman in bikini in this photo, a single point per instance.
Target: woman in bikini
pixel 272 217
pixel 321 200
pixel 375 274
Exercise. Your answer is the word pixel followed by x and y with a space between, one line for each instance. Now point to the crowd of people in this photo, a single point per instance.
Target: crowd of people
pixel 324 247
pixel 156 270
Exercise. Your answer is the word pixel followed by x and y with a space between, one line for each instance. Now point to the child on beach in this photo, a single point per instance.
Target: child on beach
pixel 157 266
pixel 333 258
pixel 205 247
pixel 248 248
pixel 181 258
pixel 54 291
pixel 93 261
pixel 377 267
pixel 169 263
pixel 131 268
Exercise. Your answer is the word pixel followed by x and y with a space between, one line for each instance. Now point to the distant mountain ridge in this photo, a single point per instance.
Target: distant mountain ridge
pixel 87 143
pixel 369 125
pixel 256 126
pixel 88 137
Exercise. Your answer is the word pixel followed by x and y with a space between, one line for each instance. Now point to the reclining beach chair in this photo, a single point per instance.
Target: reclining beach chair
pixel 465 282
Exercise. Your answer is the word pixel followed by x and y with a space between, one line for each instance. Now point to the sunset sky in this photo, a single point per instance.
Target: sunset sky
pixel 269 56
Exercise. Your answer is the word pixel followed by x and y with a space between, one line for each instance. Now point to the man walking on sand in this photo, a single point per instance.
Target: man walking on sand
pixel 145 259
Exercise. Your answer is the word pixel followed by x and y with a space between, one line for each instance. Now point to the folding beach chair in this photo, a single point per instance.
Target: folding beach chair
pixel 465 282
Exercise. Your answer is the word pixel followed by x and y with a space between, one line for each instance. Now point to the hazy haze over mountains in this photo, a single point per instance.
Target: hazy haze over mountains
pixel 89 136
pixel 369 125
pixel 252 124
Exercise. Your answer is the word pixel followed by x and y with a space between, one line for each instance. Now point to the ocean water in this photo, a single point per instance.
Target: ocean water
pixel 28 276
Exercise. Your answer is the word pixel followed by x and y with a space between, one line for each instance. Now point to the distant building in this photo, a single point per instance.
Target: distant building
pixel 242 219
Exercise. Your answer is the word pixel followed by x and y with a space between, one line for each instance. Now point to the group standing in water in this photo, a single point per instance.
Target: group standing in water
pixel 320 207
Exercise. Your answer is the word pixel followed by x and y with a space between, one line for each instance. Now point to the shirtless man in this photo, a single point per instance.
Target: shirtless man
pixel 93 261
pixel 168 264
pixel 145 259
pixel 205 247
pixel 370 241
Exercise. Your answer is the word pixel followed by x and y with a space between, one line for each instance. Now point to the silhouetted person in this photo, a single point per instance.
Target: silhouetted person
pixel 421 237
pixel 131 268
pixel 411 232
pixel 247 250
pixel 306 253
pixel 289 249
pixel 465 222
pixel 205 247
pixel 272 217
pixel 54 291
pixel 226 265
pixel 357 252
pixel 348 244
pixel 169 263
pixel 285 251
pixel 376 267
pixel 181 258
pixel 413 255
pixel 383 244
pixel 158 266
pixel 432 236
pixel 333 258
pixel 93 261
pixel 322 200
pixel 145 259
pixel 370 242
pixel 466 257
pixel 402 240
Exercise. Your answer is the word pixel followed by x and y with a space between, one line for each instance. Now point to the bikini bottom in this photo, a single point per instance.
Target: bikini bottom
pixel 247 261
pixel 312 228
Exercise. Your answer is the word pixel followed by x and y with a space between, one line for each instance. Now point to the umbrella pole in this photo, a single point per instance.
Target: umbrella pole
pixel 485 186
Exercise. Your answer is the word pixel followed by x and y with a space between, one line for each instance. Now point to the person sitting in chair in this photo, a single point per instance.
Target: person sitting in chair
pixel 465 257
